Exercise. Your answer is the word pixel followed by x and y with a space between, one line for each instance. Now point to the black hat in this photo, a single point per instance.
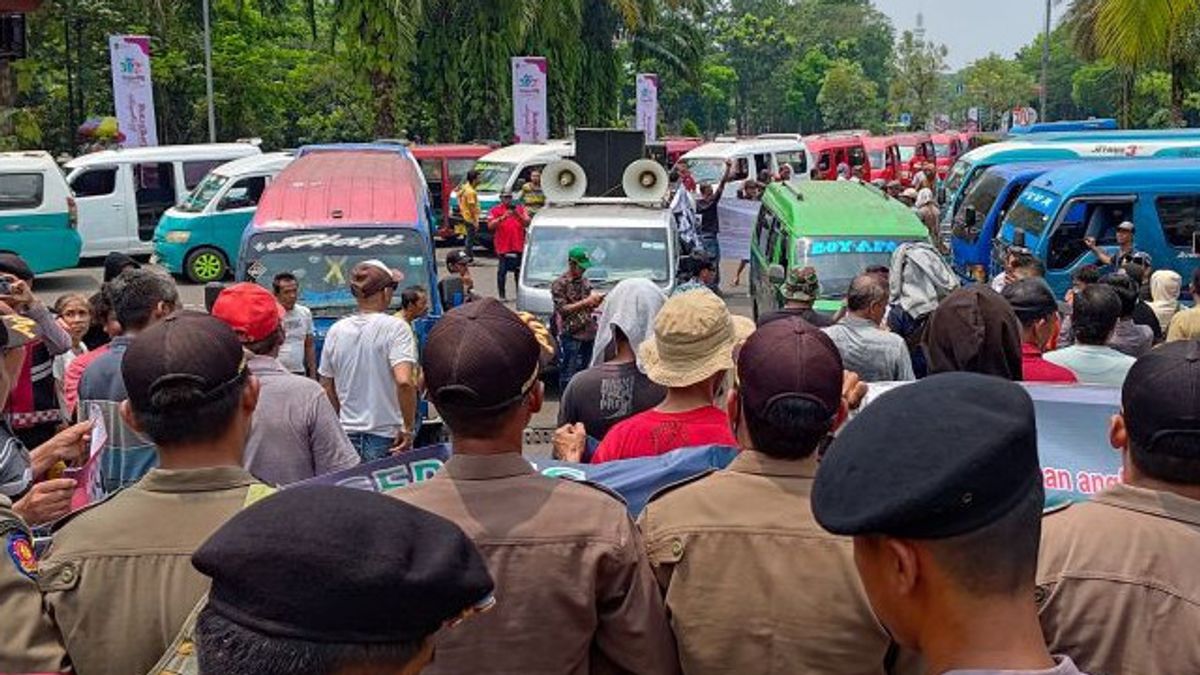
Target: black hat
pixel 480 356
pixel 192 356
pixel 324 563
pixel 1161 395
pixel 11 263
pixel 1031 299
pixel 944 456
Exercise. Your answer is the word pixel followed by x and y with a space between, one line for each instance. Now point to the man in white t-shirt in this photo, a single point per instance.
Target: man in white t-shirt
pixel 298 353
pixel 368 365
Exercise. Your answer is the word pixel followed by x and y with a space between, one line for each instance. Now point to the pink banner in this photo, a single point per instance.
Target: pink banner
pixel 133 94
pixel 530 123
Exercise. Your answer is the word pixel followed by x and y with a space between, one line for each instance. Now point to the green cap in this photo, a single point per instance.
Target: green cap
pixel 579 256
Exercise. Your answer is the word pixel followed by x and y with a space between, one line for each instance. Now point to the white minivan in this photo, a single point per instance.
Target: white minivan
pixel 750 156
pixel 509 168
pixel 121 194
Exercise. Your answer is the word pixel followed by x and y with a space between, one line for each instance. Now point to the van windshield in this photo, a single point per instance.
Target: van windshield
pixel 942 149
pixel 199 198
pixel 322 260
pixel 839 259
pixel 493 176
pixel 1033 211
pixel 617 253
pixel 957 173
pixel 707 170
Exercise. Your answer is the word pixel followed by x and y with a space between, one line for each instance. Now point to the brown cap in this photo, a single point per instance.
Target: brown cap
pixel 372 276
pixel 790 358
pixel 184 361
pixel 480 356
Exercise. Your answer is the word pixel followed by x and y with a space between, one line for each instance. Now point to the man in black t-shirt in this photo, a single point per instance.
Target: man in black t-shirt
pixel 710 220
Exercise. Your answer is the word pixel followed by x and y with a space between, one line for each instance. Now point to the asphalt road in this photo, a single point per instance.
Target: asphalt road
pixel 86 279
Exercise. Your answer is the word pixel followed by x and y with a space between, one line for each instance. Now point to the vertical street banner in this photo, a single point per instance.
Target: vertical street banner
pixel 133 95
pixel 647 105
pixel 530 123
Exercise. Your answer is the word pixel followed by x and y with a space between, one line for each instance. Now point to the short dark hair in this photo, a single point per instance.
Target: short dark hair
pixel 470 423
pixel 1094 314
pixel 790 428
pixel 1173 459
pixel 879 271
pixel 472 174
pixel 1031 300
pixel 999 559
pixel 229 648
pixel 280 278
pixel 135 293
pixel 1086 274
pixel 1135 271
pixel 267 344
pixel 865 291
pixel 187 418
pixel 1127 291
pixel 1031 266
pixel 410 295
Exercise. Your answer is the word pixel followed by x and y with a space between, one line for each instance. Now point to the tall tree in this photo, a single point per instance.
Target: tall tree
pixel 383 36
pixel 916 71
pixel 998 84
pixel 1064 63
pixel 848 98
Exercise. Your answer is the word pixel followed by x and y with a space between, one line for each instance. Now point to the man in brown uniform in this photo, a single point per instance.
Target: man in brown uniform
pixel 574 592
pixel 1118 585
pixel 118 582
pixel 752 582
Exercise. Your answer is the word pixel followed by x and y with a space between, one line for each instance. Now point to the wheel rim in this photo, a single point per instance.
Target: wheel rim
pixel 208 267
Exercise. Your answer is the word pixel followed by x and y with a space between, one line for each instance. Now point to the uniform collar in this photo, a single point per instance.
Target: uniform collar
pixel 195 480
pixel 755 462
pixel 1153 502
pixel 485 467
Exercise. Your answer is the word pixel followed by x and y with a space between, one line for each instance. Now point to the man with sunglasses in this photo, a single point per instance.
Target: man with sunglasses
pixel 368 364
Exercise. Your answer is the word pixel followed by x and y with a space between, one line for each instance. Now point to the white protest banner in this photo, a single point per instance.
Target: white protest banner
pixel 647 104
pixel 133 96
pixel 530 123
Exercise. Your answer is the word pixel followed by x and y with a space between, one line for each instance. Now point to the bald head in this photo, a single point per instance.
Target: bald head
pixel 865 292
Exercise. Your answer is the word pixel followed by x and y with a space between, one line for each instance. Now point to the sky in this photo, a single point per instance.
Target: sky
pixel 971 29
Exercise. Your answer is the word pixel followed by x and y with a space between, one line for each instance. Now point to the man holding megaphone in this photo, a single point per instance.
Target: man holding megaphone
pixel 508 221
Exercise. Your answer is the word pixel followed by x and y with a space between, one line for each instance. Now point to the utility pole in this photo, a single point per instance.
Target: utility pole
pixel 1044 113
pixel 208 83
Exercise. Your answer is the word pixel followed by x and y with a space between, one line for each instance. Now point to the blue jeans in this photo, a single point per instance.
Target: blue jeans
pixel 712 246
pixel 574 355
pixel 371 447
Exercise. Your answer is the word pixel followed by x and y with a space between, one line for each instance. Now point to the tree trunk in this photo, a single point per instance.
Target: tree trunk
pixel 7 97
pixel 1178 72
pixel 384 88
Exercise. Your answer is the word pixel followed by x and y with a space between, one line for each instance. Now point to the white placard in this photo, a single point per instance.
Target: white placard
pixel 647 104
pixel 133 95
pixel 530 124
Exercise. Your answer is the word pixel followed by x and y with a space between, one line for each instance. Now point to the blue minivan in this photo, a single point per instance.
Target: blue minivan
pixel 1062 207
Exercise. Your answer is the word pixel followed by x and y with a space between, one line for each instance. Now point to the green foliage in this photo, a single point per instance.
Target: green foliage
pixel 848 98
pixel 689 128
pixel 997 84
pixel 1096 89
pixel 916 72
pixel 1064 63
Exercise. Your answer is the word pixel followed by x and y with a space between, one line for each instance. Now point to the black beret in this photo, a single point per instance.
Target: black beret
pixel 944 456
pixel 336 564
pixel 11 263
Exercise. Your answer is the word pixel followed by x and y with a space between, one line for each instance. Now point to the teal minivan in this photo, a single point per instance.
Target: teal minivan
pixel 38 219
pixel 199 237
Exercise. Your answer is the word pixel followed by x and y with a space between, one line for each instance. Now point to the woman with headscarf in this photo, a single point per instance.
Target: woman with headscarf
pixel 929 213
pixel 615 386
pixel 1165 286
pixel 974 330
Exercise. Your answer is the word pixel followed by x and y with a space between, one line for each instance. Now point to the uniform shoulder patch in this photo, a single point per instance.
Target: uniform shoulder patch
pixel 20 551
pixel 680 483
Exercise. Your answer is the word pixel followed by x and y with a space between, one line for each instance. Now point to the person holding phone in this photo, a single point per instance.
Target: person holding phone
pixel 508 222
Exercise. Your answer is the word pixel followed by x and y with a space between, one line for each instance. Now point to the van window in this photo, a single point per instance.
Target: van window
pixel 459 169
pixel 762 163
pixel 21 190
pixel 773 236
pixel 154 193
pixel 432 168
pixel 766 220
pixel 244 193
pixel 1085 218
pixel 796 160
pixel 1178 217
pixel 95 182
pixel 823 163
pixel 195 171
pixel 858 156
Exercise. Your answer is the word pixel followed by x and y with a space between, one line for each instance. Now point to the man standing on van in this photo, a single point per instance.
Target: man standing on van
pixel 507 221
pixel 298 353
pixel 468 208
pixel 367 366
pixel 1125 252
pixel 573 306
pixel 710 220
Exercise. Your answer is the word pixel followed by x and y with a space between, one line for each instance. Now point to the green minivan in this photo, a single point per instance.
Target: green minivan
pixel 840 228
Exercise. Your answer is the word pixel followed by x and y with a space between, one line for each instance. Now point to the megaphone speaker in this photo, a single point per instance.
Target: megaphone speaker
pixel 645 181
pixel 563 181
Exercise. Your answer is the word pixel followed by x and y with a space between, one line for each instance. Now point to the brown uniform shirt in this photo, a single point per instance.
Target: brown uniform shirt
pixel 1118 582
pixel 574 593
pixel 119 581
pixel 28 642
pixel 753 584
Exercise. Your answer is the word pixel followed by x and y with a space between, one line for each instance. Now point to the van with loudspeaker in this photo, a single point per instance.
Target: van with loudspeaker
pixel 629 234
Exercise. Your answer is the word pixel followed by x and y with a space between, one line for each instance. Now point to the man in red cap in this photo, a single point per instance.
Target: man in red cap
pixel 295 433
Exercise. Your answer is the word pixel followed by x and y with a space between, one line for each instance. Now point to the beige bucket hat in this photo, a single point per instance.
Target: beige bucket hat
pixel 693 340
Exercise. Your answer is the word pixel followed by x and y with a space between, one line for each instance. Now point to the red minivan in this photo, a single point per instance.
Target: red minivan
pixel 916 150
pixel 830 150
pixel 948 146
pixel 884 154
pixel 445 168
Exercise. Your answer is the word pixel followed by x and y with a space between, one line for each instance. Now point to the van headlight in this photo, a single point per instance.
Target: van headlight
pixel 178 236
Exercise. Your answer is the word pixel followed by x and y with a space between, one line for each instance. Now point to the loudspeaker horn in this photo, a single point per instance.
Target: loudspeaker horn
pixel 645 181
pixel 564 181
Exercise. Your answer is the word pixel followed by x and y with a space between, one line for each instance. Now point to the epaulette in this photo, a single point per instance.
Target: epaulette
pixel 680 483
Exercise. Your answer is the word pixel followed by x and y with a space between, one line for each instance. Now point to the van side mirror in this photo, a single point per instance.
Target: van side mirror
pixel 776 274
pixel 970 217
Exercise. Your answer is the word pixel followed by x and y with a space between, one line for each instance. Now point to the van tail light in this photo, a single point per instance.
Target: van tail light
pixel 72 213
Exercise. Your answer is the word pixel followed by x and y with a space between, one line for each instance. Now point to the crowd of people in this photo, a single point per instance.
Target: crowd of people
pixel 863 527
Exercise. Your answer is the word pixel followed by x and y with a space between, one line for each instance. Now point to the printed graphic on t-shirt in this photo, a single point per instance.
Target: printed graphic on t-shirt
pixel 616 397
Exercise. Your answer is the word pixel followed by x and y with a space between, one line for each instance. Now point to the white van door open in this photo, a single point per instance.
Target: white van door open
pixel 102 197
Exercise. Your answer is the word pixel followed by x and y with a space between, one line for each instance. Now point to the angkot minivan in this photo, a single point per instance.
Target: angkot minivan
pixel 37 213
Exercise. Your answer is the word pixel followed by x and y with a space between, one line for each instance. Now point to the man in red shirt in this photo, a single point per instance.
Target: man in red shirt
pixel 508 221
pixel 691 349
pixel 1034 304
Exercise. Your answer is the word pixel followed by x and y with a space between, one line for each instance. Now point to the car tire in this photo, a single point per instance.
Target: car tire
pixel 205 264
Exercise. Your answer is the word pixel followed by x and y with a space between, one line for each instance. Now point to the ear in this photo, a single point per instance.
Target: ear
pixel 733 405
pixel 903 565
pixel 537 396
pixel 250 394
pixel 1118 434
pixel 129 418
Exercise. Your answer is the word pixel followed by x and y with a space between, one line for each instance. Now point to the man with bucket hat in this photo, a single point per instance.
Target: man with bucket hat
pixel 690 352
pixel 800 291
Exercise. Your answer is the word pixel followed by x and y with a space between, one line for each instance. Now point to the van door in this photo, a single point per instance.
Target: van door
pixel 101 198
pixel 154 192
pixel 1081 218
pixel 1177 215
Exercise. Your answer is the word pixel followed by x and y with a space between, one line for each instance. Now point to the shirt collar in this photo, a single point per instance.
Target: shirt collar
pixel 1030 350
pixel 757 463
pixel 259 363
pixel 1153 502
pixel 485 467
pixel 195 480
pixel 856 321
